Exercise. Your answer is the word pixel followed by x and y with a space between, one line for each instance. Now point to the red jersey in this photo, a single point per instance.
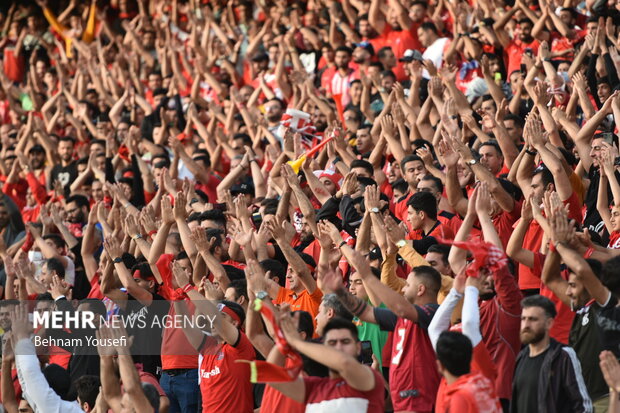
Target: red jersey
pixel 414 378
pixel 225 384
pixel 400 207
pixel 515 50
pixel 504 222
pixel 481 362
pixel 327 394
pixel 533 241
pixel 470 393
pixel 176 350
pixel 614 240
pixel 560 330
pixel 500 322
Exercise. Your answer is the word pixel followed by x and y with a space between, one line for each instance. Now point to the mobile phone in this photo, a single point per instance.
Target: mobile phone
pixel 523 68
pixel 366 356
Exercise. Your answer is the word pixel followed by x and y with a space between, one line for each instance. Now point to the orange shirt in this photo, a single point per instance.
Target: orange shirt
pixel 304 301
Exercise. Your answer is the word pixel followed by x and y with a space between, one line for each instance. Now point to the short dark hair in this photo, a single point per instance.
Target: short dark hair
pixel 244 137
pixel 383 52
pixel 442 249
pixel 525 20
pixel 80 200
pixel 218 234
pixel 66 139
pixel 215 215
pixel 429 26
pixel 280 101
pixel 97 306
pixel 306 324
pixel 56 239
pixel 240 287
pixel 344 49
pixel 400 185
pixel 388 73
pixel 435 180
pixel 54 264
pixel 87 388
pixel 337 323
pixel 430 277
pixel 276 268
pixel 546 175
pixel 271 205
pixel 541 302
pixel 332 301
pixel 518 120
pixel 493 144
pixel 409 158
pixel 610 275
pixel 360 163
pixel 424 201
pixel 454 351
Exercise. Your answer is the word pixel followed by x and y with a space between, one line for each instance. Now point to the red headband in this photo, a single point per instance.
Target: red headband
pixel 225 309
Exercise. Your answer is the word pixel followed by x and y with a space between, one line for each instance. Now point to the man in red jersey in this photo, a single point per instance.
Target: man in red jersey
pixel 224 384
pixel 413 377
pixel 351 385
pixel 466 392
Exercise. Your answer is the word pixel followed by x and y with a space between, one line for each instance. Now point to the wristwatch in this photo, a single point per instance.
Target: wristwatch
pixel 261 295
pixel 401 243
pixel 117 260
pixel 374 210
pixel 472 162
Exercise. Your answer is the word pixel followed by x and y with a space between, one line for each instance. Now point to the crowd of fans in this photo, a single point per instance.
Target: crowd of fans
pixel 382 205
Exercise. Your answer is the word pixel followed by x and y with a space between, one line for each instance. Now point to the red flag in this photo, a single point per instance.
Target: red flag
pixel 485 255
pixel 265 372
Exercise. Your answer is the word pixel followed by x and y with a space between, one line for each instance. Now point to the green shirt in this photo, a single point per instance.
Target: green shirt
pixel 371 332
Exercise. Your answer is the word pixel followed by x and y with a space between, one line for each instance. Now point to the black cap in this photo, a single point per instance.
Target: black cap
pixel 244 188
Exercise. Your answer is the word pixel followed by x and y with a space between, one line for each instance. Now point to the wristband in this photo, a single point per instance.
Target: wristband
pixel 533 153
pixel 151 233
pixel 137 237
pixel 588 253
pixel 187 288
pixel 552 247
pixel 342 244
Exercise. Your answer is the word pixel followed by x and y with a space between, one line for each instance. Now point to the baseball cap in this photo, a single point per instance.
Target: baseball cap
pixel 366 45
pixel 410 55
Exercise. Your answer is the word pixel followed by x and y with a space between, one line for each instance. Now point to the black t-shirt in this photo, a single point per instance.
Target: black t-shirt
pixel 526 378
pixel 608 319
pixel 586 339
pixel 146 334
pixel 65 174
pixel 593 220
